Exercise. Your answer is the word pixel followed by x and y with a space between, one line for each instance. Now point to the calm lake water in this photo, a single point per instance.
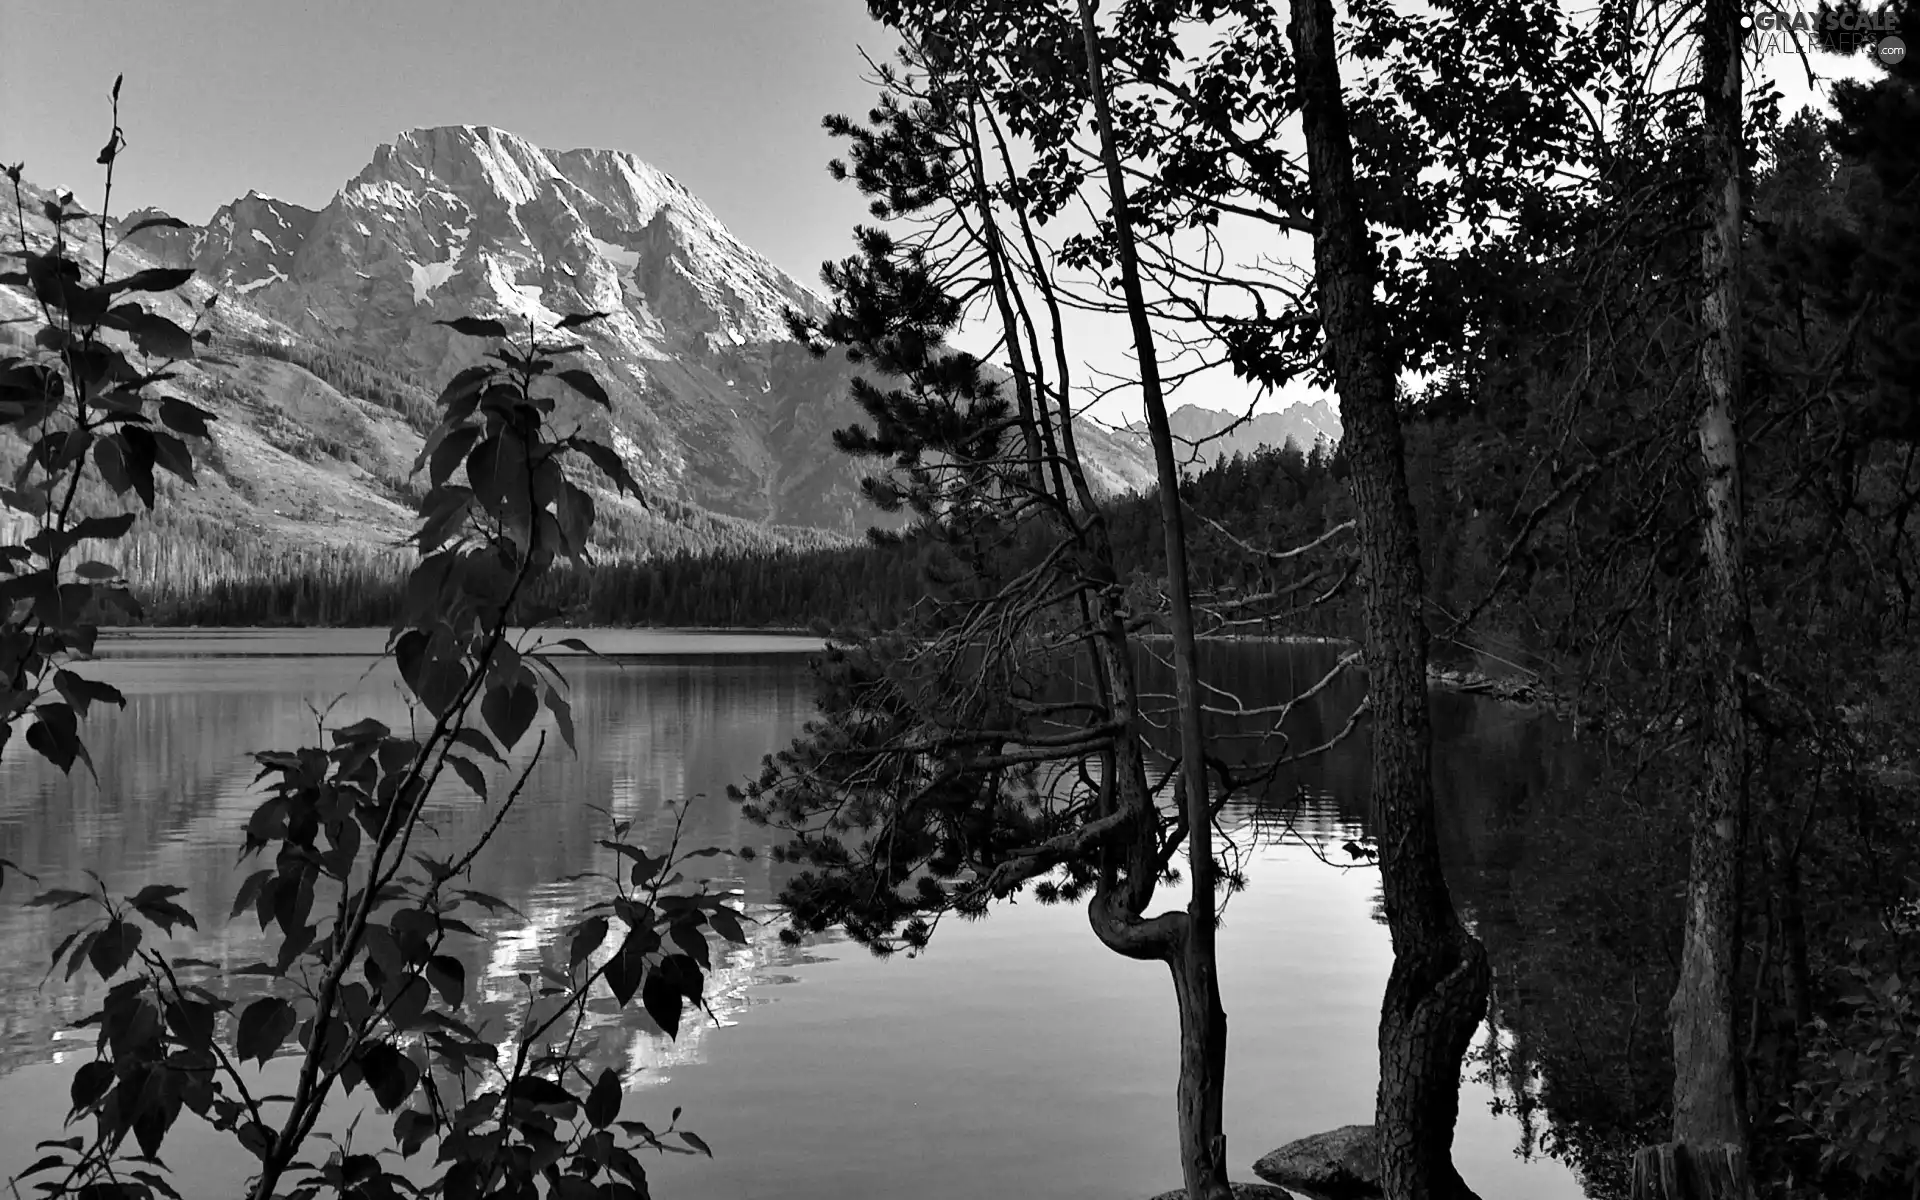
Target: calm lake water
pixel 1016 1058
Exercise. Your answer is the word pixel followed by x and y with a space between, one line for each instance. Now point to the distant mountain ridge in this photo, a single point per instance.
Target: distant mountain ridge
pixel 714 407
pixel 1203 436
pixel 249 243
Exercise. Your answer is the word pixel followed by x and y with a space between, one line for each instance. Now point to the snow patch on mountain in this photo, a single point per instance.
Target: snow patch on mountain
pixel 520 299
pixel 429 276
pixel 618 255
pixel 383 191
pixel 256 285
pixel 425 277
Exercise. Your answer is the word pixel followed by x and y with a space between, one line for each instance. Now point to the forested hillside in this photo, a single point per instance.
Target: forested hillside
pixel 704 571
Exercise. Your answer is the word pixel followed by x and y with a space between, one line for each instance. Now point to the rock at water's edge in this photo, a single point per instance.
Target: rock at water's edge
pixel 1241 1191
pixel 1341 1164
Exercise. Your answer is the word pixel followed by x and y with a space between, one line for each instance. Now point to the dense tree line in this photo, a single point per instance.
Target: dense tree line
pixel 351 374
pixel 1559 500
pixel 678 566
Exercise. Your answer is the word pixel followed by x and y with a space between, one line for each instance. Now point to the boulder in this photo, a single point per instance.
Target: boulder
pixel 1241 1191
pixel 1341 1164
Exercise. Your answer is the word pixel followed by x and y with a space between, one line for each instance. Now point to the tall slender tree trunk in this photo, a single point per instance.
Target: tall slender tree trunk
pixel 1709 1122
pixel 1203 1021
pixel 1790 905
pixel 1437 991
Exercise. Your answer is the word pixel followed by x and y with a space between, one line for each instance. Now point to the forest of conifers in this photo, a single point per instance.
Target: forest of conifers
pixel 199 572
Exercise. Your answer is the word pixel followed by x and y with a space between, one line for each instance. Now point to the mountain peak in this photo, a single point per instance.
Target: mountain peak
pixel 1207 435
pixel 334 315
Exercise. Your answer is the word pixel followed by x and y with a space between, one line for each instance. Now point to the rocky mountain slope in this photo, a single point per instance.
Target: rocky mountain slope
pixel 312 450
pixel 717 407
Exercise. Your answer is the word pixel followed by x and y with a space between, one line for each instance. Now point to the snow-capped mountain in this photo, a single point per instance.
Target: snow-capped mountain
pixel 714 401
pixel 448 218
pixel 248 244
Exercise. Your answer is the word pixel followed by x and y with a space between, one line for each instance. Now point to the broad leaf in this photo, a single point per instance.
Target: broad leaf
pixel 469 773
pixel 153 279
pixel 626 968
pixel 155 903
pixel 82 692
pixel 490 903
pixel 156 223
pixel 726 923
pixel 448 977
pixel 58 898
pixel 55 733
pixel 610 464
pixel 587 937
pixel 562 715
pixel 582 381
pixel 603 1102
pixel 390 1074
pixel 106 529
pixel 660 996
pixel 185 418
pixel 158 337
pixel 263 1028
pixel 475 326
pixel 90 1083
pixel 508 712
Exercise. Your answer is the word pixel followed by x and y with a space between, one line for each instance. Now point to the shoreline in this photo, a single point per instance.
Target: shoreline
pixel 147 630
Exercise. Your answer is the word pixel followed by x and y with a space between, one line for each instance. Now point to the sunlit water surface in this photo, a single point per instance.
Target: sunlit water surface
pixel 1016 1058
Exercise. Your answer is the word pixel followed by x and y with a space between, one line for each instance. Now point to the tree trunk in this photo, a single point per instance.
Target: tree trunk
pixel 1671 1171
pixel 1203 1066
pixel 1437 992
pixel 1791 906
pixel 1707 1088
pixel 1203 1022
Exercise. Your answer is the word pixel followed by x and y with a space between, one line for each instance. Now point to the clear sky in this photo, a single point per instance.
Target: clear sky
pixel 291 98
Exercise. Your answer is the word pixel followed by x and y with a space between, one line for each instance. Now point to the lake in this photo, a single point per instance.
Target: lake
pixel 1016 1057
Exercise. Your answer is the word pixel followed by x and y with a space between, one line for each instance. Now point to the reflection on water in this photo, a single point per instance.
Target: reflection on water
pixel 174 788
pixel 1017 1050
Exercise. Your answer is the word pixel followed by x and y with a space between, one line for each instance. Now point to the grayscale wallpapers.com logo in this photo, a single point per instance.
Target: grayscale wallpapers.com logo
pixel 1784 31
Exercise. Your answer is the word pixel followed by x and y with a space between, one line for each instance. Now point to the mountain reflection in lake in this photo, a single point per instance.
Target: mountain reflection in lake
pixel 1017 1057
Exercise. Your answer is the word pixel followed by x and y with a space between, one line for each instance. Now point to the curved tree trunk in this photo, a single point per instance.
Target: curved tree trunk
pixel 1437 992
pixel 1203 1021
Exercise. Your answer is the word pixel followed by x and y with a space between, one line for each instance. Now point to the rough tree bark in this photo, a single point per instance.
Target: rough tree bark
pixel 1203 1022
pixel 1437 991
pixel 1708 1118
